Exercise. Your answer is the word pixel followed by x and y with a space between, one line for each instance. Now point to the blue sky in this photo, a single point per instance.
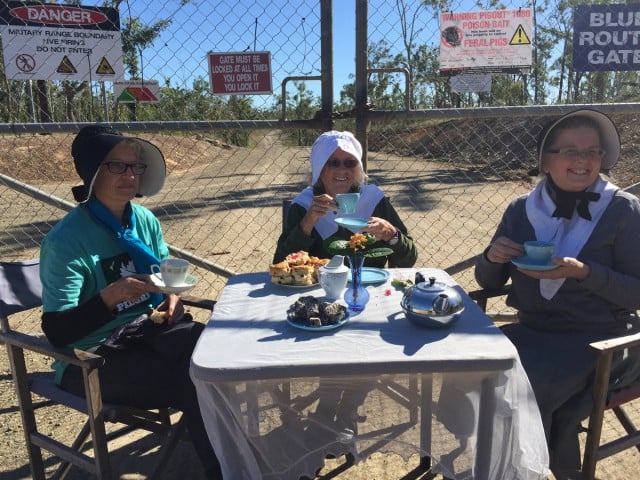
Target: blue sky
pixel 180 53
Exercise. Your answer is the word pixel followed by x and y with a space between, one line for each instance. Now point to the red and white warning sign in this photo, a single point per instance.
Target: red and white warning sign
pixel 60 42
pixel 486 41
pixel 240 73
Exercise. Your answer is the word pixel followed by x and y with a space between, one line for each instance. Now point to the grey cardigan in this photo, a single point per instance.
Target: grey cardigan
pixel 605 301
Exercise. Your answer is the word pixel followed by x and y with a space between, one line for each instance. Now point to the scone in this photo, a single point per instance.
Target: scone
pixel 281 268
pixel 298 258
pixel 158 317
pixel 317 263
pixel 302 274
pixel 281 273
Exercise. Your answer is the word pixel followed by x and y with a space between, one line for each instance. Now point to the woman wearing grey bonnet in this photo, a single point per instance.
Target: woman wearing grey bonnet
pixel 591 289
pixel 336 167
pixel 97 294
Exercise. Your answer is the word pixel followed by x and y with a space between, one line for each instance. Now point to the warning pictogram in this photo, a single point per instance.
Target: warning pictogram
pixel 66 66
pixel 25 63
pixel 520 37
pixel 137 91
pixel 105 68
pixel 137 94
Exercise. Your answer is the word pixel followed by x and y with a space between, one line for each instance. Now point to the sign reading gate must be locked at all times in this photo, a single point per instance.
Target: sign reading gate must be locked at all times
pixel 240 73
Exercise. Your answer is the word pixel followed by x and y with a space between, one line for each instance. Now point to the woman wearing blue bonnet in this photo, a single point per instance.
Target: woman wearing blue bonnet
pixel 97 292
pixel 336 167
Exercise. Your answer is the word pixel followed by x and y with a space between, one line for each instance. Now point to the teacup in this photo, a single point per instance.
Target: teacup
pixel 173 271
pixel 347 202
pixel 539 251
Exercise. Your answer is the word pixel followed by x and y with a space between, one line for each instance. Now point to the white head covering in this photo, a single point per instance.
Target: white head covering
pixel 329 142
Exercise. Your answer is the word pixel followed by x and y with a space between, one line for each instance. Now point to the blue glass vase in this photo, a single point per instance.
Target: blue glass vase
pixel 356 295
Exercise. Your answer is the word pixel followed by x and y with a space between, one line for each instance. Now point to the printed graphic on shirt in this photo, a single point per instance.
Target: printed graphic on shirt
pixel 118 267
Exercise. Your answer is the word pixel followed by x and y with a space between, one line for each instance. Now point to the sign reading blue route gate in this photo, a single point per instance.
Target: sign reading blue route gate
pixel 60 42
pixel 606 38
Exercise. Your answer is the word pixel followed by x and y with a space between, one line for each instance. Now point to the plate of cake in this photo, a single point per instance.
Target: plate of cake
pixel 310 314
pixel 297 270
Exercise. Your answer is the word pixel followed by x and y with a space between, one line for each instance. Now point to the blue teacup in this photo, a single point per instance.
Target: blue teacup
pixel 347 202
pixel 539 251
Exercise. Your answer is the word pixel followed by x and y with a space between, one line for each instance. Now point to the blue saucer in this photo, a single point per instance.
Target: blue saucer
pixel 526 263
pixel 354 224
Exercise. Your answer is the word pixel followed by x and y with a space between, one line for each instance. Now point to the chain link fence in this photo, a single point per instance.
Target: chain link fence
pixel 450 172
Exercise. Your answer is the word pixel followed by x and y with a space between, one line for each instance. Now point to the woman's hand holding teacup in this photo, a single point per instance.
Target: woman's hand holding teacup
pixel 503 250
pixel 320 206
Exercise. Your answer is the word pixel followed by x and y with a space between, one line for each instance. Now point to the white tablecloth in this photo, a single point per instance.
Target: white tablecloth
pixel 458 395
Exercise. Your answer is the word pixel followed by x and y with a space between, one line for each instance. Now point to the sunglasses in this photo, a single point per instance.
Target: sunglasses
pixel 334 163
pixel 119 168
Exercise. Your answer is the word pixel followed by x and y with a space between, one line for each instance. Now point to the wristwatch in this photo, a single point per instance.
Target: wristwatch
pixel 395 239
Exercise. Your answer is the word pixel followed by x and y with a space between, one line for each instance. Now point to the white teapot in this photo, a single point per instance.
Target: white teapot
pixel 333 277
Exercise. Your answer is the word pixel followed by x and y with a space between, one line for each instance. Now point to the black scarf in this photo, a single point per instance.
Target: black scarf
pixel 567 202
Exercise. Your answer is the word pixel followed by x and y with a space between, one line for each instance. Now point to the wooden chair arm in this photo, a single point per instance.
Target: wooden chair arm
pixel 42 346
pixel 616 343
pixel 198 302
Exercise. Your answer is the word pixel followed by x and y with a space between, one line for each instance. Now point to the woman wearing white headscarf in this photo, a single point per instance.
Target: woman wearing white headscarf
pixel 590 290
pixel 336 167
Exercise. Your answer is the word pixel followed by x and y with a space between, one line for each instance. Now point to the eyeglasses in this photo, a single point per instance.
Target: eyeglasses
pixel 573 154
pixel 120 167
pixel 334 163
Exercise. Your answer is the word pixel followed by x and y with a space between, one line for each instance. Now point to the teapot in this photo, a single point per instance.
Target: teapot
pixel 431 303
pixel 333 277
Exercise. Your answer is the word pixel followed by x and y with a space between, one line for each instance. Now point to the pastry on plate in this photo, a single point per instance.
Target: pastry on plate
pixel 281 273
pixel 303 274
pixel 298 258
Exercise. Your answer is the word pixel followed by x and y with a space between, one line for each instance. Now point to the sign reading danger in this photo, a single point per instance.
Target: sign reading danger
pixel 60 42
pixel 240 73
pixel 486 41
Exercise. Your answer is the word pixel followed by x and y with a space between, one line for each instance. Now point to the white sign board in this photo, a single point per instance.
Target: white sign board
pixel 487 41
pixel 60 42
pixel 469 82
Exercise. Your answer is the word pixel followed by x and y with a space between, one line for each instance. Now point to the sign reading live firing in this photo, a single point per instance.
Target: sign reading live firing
pixel 240 73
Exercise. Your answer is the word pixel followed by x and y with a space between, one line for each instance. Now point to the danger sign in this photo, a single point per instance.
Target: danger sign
pixel 240 73
pixel 485 41
pixel 60 42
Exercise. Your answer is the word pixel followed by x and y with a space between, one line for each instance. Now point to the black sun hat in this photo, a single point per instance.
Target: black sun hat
pixel 94 142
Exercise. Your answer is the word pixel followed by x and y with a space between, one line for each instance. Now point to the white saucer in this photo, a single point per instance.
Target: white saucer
pixel 526 263
pixel 189 282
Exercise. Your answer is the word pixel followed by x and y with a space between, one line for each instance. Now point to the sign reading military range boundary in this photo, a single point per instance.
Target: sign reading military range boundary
pixel 60 42
pixel 606 38
pixel 240 73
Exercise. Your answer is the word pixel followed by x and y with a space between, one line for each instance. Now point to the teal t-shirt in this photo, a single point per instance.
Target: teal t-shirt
pixel 79 257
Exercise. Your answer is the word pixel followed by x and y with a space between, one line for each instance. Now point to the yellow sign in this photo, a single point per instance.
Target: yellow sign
pixel 105 68
pixel 520 37
pixel 66 66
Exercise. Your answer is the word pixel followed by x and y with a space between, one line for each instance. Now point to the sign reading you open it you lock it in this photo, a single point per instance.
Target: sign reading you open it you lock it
pixel 240 73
